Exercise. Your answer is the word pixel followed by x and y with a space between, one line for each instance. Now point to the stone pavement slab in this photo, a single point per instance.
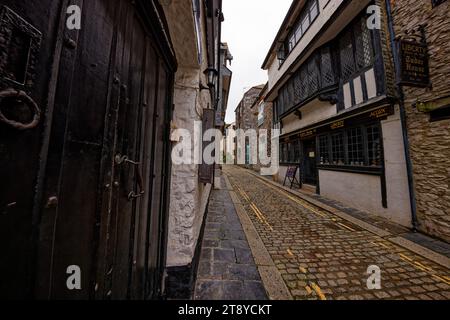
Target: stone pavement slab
pixel 227 270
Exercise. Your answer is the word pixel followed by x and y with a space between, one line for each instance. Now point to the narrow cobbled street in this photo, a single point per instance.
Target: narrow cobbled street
pixel 321 256
pixel 252 152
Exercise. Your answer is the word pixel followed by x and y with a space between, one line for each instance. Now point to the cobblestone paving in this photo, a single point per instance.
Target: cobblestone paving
pixel 227 270
pixel 321 256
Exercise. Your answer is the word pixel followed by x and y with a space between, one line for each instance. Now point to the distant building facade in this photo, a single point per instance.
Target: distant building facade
pixel 331 80
pixel 263 123
pixel 224 85
pixel 228 145
pixel 246 118
pixel 428 111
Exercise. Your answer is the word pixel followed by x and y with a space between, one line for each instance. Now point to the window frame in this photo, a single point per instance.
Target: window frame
pixel 261 113
pixel 311 69
pixel 334 51
pixel 287 45
pixel 347 167
pixel 289 151
pixel 351 31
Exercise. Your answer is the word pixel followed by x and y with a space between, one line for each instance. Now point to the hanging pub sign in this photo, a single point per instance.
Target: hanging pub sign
pixel 414 65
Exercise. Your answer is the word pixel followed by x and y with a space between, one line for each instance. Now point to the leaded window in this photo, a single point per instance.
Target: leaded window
pixel 326 67
pixel 355 143
pixel 324 151
pixel 358 147
pixel 314 10
pixel 298 32
pixel 298 88
pixel 290 152
pixel 316 73
pixel 304 83
pixel 356 49
pixel 275 115
pixel 363 45
pixel 282 102
pixel 297 151
pixel 353 48
pixel 291 93
pixel 374 145
pixel 305 22
pixel 284 152
pixel 307 17
pixel 348 67
pixel 291 42
pixel 337 149
pixel 313 77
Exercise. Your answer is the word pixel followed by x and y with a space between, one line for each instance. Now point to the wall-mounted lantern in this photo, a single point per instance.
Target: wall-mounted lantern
pixel 211 75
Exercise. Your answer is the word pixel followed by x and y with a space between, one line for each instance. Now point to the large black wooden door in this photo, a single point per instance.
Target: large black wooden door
pixel 133 237
pixel 99 203
pixel 25 59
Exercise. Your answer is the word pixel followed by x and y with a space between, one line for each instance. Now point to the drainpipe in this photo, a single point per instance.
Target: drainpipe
pixel 220 19
pixel 409 166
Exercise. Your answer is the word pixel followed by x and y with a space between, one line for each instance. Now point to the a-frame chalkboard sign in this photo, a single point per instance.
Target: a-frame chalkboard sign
pixel 291 177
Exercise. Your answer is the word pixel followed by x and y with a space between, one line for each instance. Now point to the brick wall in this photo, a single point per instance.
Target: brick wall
pixel 429 141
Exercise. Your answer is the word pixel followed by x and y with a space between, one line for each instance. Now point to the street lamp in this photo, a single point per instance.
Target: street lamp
pixel 211 75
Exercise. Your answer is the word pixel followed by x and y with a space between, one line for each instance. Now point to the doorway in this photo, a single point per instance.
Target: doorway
pixel 87 184
pixel 309 162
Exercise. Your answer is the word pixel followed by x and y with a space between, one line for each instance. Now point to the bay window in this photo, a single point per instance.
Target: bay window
pixel 353 49
pixel 356 49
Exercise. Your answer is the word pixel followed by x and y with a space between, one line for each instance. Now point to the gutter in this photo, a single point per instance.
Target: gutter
pixel 409 166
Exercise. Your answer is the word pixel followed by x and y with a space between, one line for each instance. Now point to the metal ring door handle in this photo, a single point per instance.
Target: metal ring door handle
pixel 20 95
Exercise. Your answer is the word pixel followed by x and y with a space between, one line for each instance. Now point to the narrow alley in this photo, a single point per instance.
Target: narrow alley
pixel 320 255
pixel 189 152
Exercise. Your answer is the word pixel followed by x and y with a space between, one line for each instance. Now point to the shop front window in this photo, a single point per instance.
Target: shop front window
pixel 324 153
pixel 374 145
pixel 290 152
pixel 354 147
pixel 337 147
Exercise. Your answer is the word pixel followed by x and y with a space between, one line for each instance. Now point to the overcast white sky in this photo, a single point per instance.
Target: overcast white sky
pixel 249 28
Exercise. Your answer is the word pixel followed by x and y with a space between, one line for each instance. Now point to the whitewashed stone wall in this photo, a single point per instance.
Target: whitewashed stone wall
pixel 188 197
